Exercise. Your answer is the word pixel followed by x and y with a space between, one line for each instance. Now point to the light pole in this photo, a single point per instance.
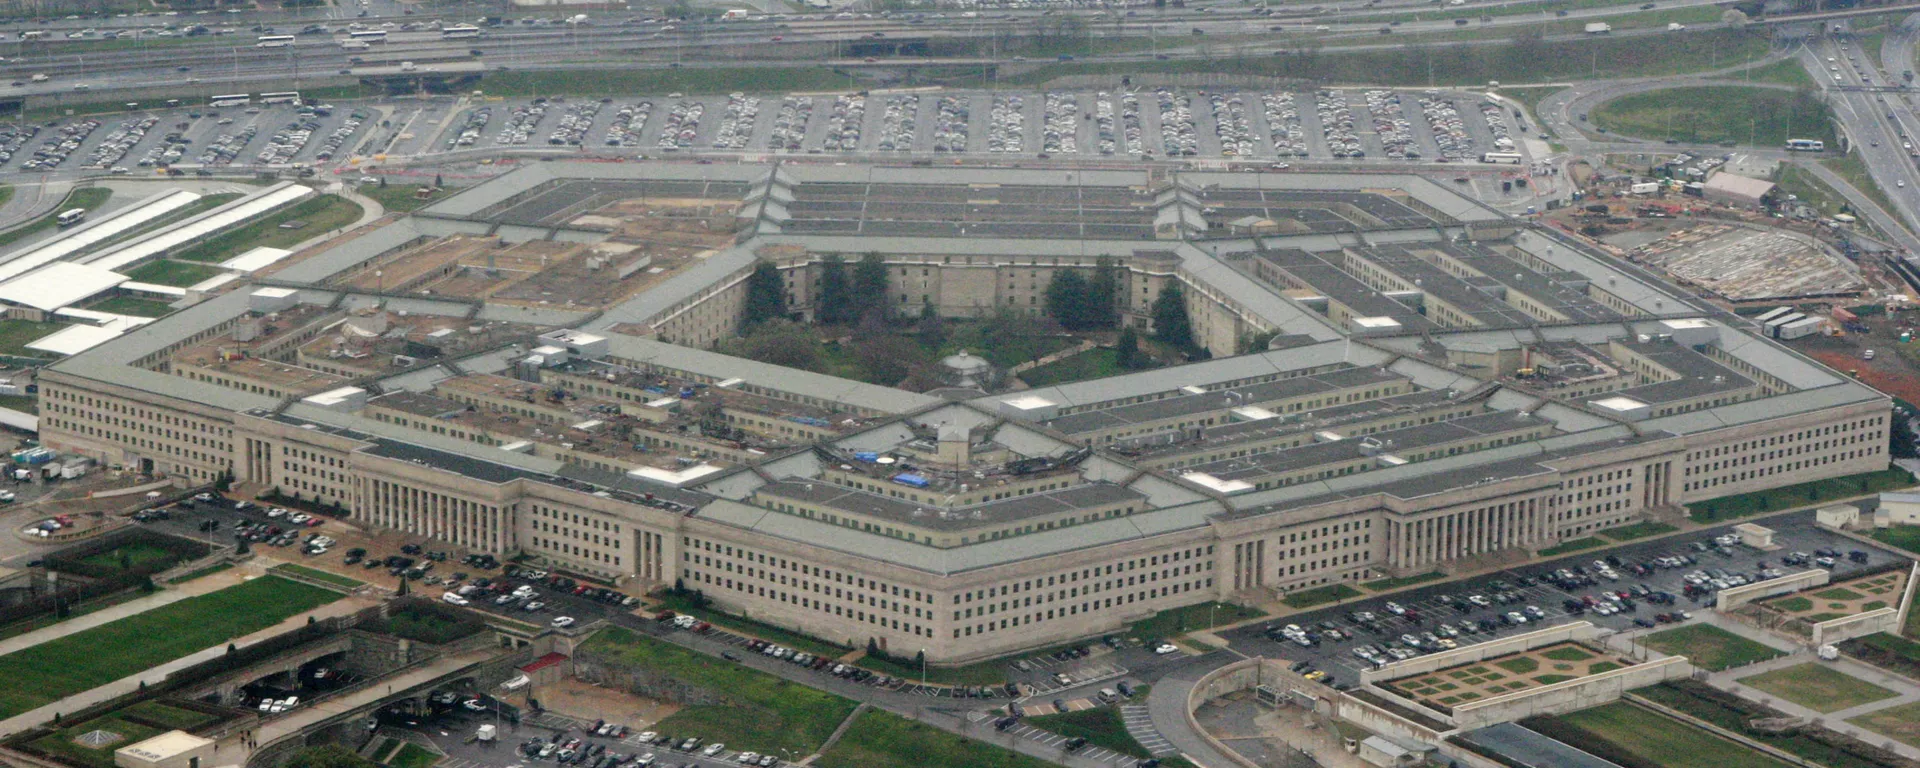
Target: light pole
pixel 923 667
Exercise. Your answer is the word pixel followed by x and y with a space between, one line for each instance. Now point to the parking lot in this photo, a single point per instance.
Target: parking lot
pixel 1277 127
pixel 1424 610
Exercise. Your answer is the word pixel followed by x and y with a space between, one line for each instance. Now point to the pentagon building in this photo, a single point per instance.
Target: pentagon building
pixel 523 368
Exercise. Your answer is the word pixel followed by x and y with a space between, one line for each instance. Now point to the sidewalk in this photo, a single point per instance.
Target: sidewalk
pixel 1909 691
pixel 200 586
pixel 131 683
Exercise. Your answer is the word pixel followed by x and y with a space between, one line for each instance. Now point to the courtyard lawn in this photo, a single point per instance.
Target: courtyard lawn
pixel 763 713
pixel 130 305
pixel 1638 530
pixel 1382 585
pixel 1901 723
pixel 84 660
pixel 398 197
pixel 1320 596
pixel 1817 687
pixel 1648 739
pixel 1573 546
pixel 886 740
pixel 1179 621
pixel 16 334
pixel 1709 647
pixel 1906 537
pixel 179 274
pixel 319 216
pixel 162 713
pixel 1097 363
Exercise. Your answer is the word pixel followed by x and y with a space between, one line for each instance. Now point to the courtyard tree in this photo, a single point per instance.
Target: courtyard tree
pixel 835 302
pixel 1103 291
pixel 781 342
pixel 933 327
pixel 869 285
pixel 1170 322
pixel 766 295
pixel 1127 349
pixel 1068 299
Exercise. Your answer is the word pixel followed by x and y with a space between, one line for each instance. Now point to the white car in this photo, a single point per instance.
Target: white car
pixel 714 749
pixel 563 621
pixel 1165 648
pixel 452 598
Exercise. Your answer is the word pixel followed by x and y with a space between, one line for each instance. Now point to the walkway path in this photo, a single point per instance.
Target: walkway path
pixel 1908 690
pixel 131 683
pixel 200 586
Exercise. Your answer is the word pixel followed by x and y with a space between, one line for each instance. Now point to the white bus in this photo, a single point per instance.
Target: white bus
pixel 1806 145
pixel 71 217
pixel 283 97
pixel 1509 158
pixel 459 31
pixel 231 100
pixel 369 35
pixel 274 41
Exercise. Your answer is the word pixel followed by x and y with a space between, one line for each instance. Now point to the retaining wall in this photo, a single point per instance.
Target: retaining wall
pixel 1734 597
pixel 1570 695
pixel 1857 625
pixel 1579 631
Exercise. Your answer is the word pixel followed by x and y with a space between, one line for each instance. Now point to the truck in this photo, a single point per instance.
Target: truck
pixel 485 733
pixel 1644 188
pixel 1599 28
pixel 1676 27
pixel 734 15
pixel 406 66
pixel 38 77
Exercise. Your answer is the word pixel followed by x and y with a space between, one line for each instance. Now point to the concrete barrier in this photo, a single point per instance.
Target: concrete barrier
pixel 1857 625
pixel 1579 631
pixel 1906 596
pixel 1734 597
pixel 1569 695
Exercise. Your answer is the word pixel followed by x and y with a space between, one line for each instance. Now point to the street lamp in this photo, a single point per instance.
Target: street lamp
pixel 923 667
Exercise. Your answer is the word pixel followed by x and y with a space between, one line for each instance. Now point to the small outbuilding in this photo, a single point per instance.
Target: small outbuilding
pixel 1734 189
pixel 173 749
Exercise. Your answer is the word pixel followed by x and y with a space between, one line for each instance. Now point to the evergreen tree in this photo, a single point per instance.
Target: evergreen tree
pixel 1068 301
pixel 766 295
pixel 1900 436
pixel 933 327
pixel 1127 349
pixel 869 285
pixel 1170 321
pixel 836 293
pixel 1102 293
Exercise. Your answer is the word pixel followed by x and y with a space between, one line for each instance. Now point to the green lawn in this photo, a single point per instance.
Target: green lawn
pixel 15 334
pixel 1783 72
pixel 162 713
pixel 84 660
pixel 207 571
pixel 1320 596
pixel 763 713
pixel 1653 740
pixel 1760 116
pixel 1727 711
pixel 130 557
pixel 1382 585
pixel 1853 168
pixel 89 198
pixel 1906 537
pixel 1809 189
pixel 1794 496
pixel 1708 647
pixel 316 574
pixel 1100 726
pixel 1901 723
pixel 175 273
pixel 321 215
pixel 63 742
pixel 1097 363
pixel 681 603
pixel 700 80
pixel 1411 65
pixel 886 740
pixel 398 197
pixel 132 305
pixel 1794 605
pixel 1179 621
pixel 413 756
pixel 1573 546
pixel 1638 530
pixel 1818 687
